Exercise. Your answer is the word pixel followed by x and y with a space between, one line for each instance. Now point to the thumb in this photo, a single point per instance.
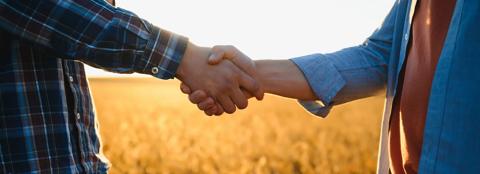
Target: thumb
pixel 215 57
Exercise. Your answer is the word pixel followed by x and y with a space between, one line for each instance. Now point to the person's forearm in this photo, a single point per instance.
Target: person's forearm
pixel 109 38
pixel 282 77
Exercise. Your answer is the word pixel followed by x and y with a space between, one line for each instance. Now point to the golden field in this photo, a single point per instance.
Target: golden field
pixel 148 126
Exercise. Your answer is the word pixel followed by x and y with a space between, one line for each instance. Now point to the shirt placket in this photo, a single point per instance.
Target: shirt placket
pixel 383 158
pixel 70 72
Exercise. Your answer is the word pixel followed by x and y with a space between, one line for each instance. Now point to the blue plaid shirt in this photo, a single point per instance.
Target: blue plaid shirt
pixel 47 119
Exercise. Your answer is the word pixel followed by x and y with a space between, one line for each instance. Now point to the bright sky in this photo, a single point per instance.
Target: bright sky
pixel 265 29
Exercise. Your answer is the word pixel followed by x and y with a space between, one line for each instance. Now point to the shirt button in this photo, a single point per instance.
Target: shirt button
pixel 70 78
pixel 154 70
pixel 78 116
pixel 406 36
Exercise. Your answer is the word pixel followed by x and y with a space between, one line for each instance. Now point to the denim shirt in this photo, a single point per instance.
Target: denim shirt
pixel 451 139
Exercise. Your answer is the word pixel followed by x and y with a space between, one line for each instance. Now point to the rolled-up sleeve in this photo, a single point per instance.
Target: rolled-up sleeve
pixel 323 78
pixel 349 74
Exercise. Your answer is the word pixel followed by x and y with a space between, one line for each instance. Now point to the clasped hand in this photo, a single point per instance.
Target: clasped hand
pixel 218 86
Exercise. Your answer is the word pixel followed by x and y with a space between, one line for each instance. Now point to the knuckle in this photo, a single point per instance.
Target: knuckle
pixel 243 105
pixel 190 97
pixel 195 97
pixel 230 110
pixel 204 105
pixel 212 110
pixel 200 107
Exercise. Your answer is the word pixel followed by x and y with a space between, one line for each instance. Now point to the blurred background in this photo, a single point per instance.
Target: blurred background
pixel 148 126
pixel 265 29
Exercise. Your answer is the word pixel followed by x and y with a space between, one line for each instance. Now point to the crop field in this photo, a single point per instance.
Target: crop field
pixel 148 126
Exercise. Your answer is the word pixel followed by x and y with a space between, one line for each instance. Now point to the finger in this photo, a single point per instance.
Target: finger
pixel 185 88
pixel 211 111
pixel 197 96
pixel 227 104
pixel 250 85
pixel 246 94
pixel 217 110
pixel 243 62
pixel 235 56
pixel 220 111
pixel 239 99
pixel 207 113
pixel 215 58
pixel 206 104
pixel 240 60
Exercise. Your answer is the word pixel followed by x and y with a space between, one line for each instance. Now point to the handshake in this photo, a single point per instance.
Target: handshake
pixel 222 79
pixel 218 86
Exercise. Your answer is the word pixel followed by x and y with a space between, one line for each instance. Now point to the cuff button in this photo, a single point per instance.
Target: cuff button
pixel 155 70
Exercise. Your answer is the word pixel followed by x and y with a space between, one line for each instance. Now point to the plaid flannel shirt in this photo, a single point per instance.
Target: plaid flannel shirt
pixel 47 119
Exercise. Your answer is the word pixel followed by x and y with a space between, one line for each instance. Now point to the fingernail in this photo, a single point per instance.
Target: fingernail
pixel 212 56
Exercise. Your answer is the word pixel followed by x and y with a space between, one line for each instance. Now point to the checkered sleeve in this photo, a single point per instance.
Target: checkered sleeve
pixel 96 33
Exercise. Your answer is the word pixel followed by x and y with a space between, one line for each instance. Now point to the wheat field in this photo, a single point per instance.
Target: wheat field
pixel 148 126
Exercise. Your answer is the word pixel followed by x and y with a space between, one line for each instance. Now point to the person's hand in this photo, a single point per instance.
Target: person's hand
pixel 206 102
pixel 223 82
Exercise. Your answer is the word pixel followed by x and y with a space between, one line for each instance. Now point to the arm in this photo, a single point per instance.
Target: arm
pixel 334 78
pixel 299 78
pixel 279 77
pixel 282 77
pixel 352 73
pixel 96 33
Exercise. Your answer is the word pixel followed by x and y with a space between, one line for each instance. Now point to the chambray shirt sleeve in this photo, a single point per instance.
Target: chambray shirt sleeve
pixel 96 33
pixel 351 73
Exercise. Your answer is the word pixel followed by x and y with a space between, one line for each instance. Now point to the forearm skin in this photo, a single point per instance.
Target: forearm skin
pixel 282 77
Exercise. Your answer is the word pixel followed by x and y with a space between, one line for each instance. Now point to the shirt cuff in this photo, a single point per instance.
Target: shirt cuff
pixel 324 79
pixel 315 107
pixel 163 53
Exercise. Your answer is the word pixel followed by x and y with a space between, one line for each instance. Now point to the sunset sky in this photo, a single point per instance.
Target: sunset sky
pixel 265 29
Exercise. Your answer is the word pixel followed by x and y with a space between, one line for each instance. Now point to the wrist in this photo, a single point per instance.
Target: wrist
pixel 279 77
pixel 266 74
pixel 187 57
pixel 193 56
